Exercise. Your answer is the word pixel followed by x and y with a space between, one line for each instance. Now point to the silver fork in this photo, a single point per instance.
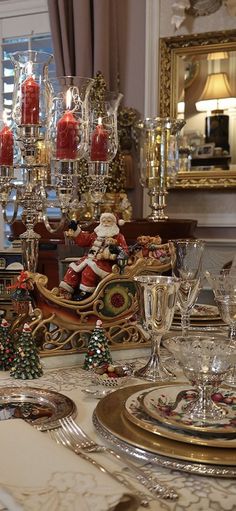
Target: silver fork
pixel 84 442
pixel 61 438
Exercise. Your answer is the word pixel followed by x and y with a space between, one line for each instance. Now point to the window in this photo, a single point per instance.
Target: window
pixel 12 45
pixel 21 21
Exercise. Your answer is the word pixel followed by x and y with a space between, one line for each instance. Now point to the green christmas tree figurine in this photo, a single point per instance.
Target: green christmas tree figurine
pixel 26 364
pixel 6 347
pixel 97 352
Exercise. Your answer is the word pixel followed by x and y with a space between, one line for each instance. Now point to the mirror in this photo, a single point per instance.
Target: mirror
pixel 189 64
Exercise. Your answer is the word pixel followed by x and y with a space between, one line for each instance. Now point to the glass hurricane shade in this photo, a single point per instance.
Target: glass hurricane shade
pixel 6 142
pixel 216 95
pixel 30 103
pixel 68 119
pixel 102 128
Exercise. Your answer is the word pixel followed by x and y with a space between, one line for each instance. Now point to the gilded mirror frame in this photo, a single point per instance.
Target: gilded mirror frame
pixel 171 48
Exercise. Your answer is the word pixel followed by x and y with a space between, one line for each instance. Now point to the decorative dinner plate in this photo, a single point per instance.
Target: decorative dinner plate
pixel 167 404
pixel 108 417
pixel 202 312
pixel 221 327
pixel 201 321
pixel 42 408
pixel 133 411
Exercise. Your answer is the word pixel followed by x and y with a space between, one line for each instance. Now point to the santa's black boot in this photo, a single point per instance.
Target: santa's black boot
pixel 82 295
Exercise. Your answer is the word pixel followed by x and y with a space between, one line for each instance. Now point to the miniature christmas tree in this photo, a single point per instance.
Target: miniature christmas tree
pixel 6 347
pixel 97 352
pixel 26 364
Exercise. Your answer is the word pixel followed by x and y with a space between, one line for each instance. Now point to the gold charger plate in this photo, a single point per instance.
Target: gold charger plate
pixel 134 412
pixel 108 414
pixel 40 407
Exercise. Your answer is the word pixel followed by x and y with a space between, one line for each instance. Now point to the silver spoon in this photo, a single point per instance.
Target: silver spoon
pixel 97 393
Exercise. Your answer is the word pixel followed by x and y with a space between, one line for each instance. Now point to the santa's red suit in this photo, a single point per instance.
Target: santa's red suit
pixel 88 270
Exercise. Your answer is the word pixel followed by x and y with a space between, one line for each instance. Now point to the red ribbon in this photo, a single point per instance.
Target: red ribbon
pixel 23 282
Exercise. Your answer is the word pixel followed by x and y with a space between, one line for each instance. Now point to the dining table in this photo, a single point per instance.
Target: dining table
pixel 39 474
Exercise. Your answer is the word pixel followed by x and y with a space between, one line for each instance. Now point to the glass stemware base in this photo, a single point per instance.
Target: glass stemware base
pixel 203 407
pixel 231 378
pixel 155 369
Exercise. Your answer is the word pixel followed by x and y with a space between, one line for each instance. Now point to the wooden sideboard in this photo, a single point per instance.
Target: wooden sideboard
pixel 51 248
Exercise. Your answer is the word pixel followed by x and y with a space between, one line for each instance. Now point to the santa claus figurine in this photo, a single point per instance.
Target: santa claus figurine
pixel 83 275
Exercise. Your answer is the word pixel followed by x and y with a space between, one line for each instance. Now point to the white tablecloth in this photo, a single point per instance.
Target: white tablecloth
pixel 17 440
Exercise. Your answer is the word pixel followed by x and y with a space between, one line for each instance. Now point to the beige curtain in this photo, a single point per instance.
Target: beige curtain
pixel 85 38
pixel 107 36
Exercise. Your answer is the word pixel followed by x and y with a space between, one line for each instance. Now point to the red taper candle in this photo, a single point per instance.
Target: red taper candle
pixel 6 146
pixel 99 144
pixel 67 128
pixel 30 101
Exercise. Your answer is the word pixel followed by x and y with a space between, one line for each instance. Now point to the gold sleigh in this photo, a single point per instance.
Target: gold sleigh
pixel 61 326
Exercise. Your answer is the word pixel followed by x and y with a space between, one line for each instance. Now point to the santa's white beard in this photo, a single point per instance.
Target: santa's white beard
pixel 107 232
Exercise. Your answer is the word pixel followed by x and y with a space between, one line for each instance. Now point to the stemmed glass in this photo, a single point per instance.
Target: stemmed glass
pixel 186 261
pixel 157 298
pixel 224 288
pixel 205 361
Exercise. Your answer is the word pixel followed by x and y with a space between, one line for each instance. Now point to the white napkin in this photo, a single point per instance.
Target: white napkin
pixel 36 474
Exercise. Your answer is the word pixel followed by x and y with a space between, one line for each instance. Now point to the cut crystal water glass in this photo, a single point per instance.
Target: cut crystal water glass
pixel 223 285
pixel 206 362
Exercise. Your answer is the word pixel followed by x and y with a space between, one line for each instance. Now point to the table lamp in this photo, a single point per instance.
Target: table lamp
pixel 217 97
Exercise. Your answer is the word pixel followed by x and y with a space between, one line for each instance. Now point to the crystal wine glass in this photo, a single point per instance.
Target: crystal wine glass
pixel 186 260
pixel 157 296
pixel 222 282
pixel 224 288
pixel 227 309
pixel 223 285
pixel 205 361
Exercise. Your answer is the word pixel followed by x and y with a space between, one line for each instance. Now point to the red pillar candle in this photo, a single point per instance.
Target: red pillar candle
pixel 30 101
pixel 6 146
pixel 67 128
pixel 99 144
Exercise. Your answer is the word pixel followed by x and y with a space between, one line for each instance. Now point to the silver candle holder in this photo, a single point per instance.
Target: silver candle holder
pixel 159 160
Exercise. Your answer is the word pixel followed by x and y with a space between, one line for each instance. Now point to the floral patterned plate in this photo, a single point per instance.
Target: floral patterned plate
pixel 134 412
pixel 167 405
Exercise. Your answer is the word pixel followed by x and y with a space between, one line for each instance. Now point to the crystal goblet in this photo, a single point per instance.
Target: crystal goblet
pixel 223 285
pixel 227 309
pixel 157 298
pixel 186 260
pixel 222 282
pixel 205 362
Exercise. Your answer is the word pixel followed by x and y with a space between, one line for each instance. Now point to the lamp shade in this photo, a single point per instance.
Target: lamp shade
pixel 217 94
pixel 181 107
pixel 218 55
